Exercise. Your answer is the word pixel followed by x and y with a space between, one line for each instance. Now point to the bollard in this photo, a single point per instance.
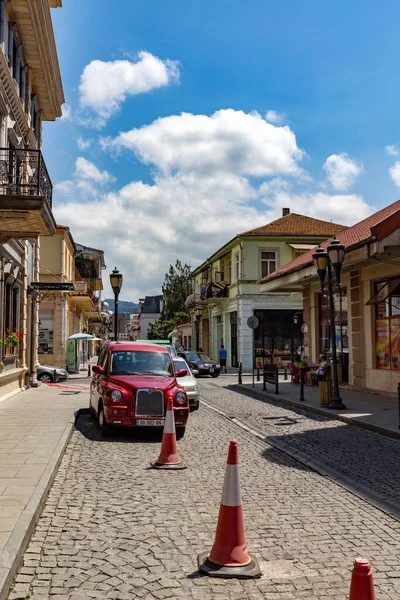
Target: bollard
pixel 258 373
pixel 301 399
pixel 88 371
pixel 240 374
pixel 285 373
pixel 398 398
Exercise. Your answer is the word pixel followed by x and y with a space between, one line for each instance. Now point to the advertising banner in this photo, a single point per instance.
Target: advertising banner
pixel 382 343
pixel 395 343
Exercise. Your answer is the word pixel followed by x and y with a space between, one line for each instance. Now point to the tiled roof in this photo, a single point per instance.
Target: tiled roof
pixel 297 225
pixel 352 236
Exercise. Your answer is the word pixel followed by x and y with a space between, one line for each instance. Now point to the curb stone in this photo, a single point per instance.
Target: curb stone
pixel 18 541
pixel 319 411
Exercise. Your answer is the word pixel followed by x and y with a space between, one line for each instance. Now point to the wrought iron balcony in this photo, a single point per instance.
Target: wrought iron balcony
pixel 23 172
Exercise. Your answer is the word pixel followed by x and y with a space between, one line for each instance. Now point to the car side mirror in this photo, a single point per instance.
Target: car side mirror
pixel 98 370
pixel 181 373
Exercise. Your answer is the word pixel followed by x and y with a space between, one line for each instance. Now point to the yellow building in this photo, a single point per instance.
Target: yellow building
pixel 226 289
pixel 30 93
pixel 70 287
pixel 367 306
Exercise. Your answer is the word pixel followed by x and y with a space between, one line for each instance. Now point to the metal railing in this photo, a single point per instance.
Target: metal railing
pixel 23 172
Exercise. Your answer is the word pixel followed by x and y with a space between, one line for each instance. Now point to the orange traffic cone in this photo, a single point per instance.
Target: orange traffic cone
pixel 169 458
pixel 362 583
pixel 229 557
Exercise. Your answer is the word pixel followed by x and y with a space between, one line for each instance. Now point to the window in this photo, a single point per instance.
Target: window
pixel 387 324
pixel 237 267
pixel 228 279
pixel 46 328
pixel 268 263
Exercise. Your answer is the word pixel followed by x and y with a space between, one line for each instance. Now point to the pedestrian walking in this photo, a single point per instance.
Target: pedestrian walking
pixel 222 358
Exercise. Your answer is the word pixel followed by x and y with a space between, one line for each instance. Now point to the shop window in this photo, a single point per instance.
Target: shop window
pixel 386 299
pixel 268 263
pixel 46 329
pixel 11 306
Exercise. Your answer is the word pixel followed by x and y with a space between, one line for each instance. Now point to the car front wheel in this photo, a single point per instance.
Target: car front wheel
pixel 215 374
pixel 45 378
pixel 104 426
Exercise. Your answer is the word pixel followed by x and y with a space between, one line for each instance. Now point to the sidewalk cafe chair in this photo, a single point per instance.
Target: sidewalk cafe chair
pixel 294 374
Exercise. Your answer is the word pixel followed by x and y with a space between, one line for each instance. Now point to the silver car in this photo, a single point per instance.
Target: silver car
pixel 51 374
pixel 189 383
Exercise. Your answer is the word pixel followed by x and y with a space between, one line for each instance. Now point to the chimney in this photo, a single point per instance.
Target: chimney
pixel 285 212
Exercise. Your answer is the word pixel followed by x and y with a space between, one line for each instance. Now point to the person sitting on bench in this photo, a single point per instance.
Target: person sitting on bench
pixel 321 372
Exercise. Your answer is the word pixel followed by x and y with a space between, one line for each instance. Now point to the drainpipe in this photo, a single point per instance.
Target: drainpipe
pixel 63 299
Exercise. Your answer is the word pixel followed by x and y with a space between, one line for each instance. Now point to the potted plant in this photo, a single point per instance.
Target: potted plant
pixel 11 341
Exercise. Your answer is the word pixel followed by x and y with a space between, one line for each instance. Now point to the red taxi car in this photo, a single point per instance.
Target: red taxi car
pixel 131 385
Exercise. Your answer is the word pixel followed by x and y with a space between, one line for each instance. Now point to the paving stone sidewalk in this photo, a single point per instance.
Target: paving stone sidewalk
pixel 361 457
pixel 113 528
pixel 35 428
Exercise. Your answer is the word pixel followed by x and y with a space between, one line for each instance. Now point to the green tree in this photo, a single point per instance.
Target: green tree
pixel 176 288
pixel 159 330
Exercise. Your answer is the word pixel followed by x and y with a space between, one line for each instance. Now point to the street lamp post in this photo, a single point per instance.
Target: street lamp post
pixel 296 317
pixel 324 261
pixel 198 314
pixel 116 284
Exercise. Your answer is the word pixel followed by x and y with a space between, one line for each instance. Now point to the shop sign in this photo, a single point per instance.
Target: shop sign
pixel 395 343
pixel 382 343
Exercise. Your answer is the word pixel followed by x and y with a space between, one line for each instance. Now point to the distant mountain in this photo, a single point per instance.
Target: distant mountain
pixel 123 306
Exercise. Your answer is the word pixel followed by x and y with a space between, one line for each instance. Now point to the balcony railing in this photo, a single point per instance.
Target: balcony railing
pixel 23 172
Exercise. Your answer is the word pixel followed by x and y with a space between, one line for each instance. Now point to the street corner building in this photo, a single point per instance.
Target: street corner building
pixel 30 92
pixel 366 305
pixel 226 292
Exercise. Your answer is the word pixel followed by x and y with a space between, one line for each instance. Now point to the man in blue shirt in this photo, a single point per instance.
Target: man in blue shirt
pixel 222 358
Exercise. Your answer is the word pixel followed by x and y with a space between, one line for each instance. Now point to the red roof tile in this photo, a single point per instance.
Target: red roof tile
pixel 294 224
pixel 350 237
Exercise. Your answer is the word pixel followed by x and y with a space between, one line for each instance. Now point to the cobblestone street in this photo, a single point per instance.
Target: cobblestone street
pixel 365 457
pixel 113 528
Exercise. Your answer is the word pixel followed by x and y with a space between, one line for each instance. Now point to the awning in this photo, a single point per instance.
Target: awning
pixel 304 247
pixel 46 286
pixel 386 288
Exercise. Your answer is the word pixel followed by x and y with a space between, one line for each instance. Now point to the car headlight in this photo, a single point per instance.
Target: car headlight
pixel 116 395
pixel 180 397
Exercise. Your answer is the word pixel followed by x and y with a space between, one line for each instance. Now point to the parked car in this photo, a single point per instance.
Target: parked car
pixel 51 374
pixel 131 385
pixel 188 382
pixel 201 363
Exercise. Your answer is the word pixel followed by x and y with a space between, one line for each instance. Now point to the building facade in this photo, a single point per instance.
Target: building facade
pixel 226 291
pixel 30 93
pixel 149 311
pixel 367 305
pixel 70 288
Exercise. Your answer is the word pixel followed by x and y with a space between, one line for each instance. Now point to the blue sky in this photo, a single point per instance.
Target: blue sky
pixel 179 187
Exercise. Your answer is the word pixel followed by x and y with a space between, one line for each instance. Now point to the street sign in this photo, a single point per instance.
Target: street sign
pixel 253 322
pixel 304 328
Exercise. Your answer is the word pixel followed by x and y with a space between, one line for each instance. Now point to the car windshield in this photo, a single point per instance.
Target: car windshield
pixel 141 362
pixel 198 356
pixel 179 363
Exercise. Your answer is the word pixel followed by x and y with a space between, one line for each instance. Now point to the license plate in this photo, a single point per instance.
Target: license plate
pixel 212 370
pixel 149 422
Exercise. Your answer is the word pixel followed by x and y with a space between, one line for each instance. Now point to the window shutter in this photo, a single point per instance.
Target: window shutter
pixel 23 86
pixel 10 48
pixel 2 24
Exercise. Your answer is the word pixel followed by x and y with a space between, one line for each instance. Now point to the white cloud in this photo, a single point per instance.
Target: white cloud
pixel 86 170
pixel 228 141
pixel 104 86
pixel 66 112
pixel 394 173
pixel 342 171
pixel 82 143
pixel 205 190
pixel 392 150
pixel 274 117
